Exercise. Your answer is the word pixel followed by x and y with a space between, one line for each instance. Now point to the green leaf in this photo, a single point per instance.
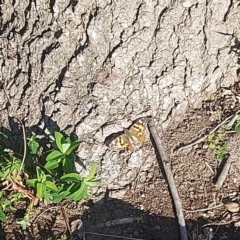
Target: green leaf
pixel 65 147
pixel 47 198
pixel 59 140
pixel 71 177
pixel 91 173
pixel 1 173
pixel 237 128
pixel 212 146
pixel 16 196
pixel 79 194
pixel 229 125
pixel 38 170
pixel 51 186
pixel 54 155
pixel 63 191
pixel 75 186
pixel 2 135
pixel 74 145
pixel 66 189
pixel 41 176
pixel 49 178
pixel 15 164
pixel 2 215
pixel 33 145
pixel 23 222
pixel 68 165
pixel 32 182
pixel 12 208
pixel 51 165
pixel 41 189
pixel 6 204
pixel 57 197
pixel 93 183
pixel 6 173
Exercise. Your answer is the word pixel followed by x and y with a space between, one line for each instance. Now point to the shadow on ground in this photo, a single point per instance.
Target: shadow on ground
pixel 114 219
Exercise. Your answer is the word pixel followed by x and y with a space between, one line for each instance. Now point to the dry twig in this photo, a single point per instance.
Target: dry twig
pixel 219 223
pixel 48 209
pixel 203 209
pixel 65 218
pixel 224 172
pixel 110 235
pixel 121 221
pixel 177 202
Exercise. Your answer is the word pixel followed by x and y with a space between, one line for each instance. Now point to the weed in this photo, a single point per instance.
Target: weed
pixel 49 177
pixel 217 146
pixel 63 237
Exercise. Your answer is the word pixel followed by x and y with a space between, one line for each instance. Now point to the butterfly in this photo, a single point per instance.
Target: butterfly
pixel 135 133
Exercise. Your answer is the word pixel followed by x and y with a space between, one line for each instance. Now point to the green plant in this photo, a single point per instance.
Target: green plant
pixel 217 146
pixel 62 237
pixel 8 203
pixel 33 144
pixel 234 124
pixel 63 155
pixel 48 177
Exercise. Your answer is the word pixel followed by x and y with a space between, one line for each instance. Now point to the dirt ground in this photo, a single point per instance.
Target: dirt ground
pixel 146 211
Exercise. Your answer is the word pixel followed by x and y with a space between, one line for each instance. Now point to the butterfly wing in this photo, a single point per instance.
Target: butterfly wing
pixel 138 131
pixel 122 142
